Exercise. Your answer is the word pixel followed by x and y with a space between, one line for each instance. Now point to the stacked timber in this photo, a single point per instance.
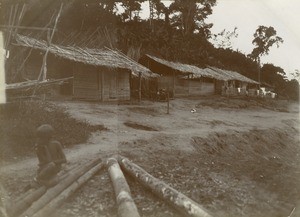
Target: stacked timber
pixel 49 200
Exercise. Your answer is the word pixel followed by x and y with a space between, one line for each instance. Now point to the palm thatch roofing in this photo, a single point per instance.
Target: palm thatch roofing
pixel 97 57
pixel 182 68
pixel 191 71
pixel 232 75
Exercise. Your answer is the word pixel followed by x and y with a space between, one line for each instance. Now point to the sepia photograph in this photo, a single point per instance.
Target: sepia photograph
pixel 149 108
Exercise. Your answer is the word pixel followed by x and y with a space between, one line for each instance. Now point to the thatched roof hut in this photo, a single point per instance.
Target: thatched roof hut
pixel 184 79
pixel 96 57
pixel 163 67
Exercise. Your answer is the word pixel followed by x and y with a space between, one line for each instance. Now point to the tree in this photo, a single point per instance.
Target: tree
pixel 264 39
pixel 191 16
pixel 296 75
pixel 131 6
pixel 223 39
pixel 273 75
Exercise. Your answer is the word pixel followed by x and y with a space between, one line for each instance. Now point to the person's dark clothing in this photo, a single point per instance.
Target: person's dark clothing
pixel 50 156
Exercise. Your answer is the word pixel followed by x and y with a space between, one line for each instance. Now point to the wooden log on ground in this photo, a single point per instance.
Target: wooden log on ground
pixel 179 201
pixel 22 203
pixel 15 209
pixel 56 190
pixel 126 205
pixel 51 207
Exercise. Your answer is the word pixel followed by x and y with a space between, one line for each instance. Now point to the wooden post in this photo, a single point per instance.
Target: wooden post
pixel 168 101
pixel 140 87
pixel 178 200
pixel 2 71
pixel 126 205
pixel 51 207
pixel 173 84
pixel 102 86
pixel 56 190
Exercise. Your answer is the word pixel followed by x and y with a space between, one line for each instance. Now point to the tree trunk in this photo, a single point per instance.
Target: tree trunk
pixel 51 207
pixel 56 190
pixel 179 201
pixel 126 205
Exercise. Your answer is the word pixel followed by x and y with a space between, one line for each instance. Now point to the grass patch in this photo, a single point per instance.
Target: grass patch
pixel 19 121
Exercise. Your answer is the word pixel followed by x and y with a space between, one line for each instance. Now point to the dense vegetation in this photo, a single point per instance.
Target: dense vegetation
pixel 176 32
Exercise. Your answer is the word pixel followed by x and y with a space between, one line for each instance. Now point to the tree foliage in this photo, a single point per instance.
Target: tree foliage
pixel 276 77
pixel 224 38
pixel 264 39
pixel 189 15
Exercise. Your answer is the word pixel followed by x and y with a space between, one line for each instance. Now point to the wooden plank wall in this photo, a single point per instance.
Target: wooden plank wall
pixel 123 88
pixel 181 87
pixel 99 83
pixel 116 85
pixel 219 86
pixel 165 82
pixel 201 88
pixel 85 85
pixel 185 87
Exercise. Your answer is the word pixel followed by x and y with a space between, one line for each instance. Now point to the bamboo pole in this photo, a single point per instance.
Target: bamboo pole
pixel 179 201
pixel 126 205
pixel 43 73
pixel 56 190
pixel 14 11
pixel 50 208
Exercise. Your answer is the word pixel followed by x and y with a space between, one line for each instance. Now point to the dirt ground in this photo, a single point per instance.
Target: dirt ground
pixel 236 157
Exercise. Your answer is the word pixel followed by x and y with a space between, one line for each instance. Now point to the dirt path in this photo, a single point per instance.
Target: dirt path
pixel 175 129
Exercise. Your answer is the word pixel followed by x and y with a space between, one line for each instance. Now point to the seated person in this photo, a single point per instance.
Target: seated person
pixel 50 155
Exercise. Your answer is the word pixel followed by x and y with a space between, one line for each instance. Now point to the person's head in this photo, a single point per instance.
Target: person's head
pixel 44 132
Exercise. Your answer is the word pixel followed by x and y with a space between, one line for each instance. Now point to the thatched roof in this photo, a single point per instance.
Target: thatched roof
pixel 182 68
pixel 97 57
pixel 231 75
pixel 196 72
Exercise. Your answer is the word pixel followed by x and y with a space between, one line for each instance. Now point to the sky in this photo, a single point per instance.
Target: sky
pixel 247 15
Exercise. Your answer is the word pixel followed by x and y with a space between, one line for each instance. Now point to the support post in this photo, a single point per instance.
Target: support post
pixel 140 87
pixel 102 86
pixel 173 84
pixel 168 101
pixel 126 205
pixel 179 201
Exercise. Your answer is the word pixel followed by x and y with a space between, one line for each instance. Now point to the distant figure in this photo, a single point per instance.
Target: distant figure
pixel 50 155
